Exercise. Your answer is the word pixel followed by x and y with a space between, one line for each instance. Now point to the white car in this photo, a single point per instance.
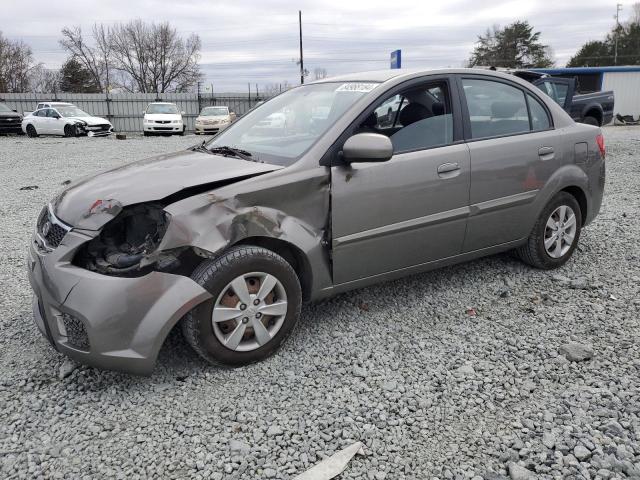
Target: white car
pixel 162 118
pixel 58 118
pixel 214 119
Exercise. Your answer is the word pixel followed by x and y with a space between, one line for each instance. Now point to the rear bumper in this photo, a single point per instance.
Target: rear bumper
pixel 107 322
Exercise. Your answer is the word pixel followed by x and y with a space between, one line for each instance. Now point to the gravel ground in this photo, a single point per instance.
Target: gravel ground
pixel 456 373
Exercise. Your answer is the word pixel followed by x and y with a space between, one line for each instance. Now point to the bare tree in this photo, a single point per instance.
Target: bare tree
pixel 102 37
pixel 320 73
pixel 16 63
pixel 44 80
pixel 635 14
pixel 273 89
pixel 86 54
pixel 155 57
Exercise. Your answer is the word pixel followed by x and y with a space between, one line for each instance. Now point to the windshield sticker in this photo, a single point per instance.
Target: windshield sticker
pixel 356 87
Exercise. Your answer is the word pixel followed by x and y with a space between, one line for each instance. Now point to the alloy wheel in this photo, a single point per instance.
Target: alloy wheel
pixel 250 311
pixel 560 231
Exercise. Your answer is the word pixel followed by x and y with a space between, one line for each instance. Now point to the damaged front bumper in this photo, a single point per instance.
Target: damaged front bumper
pixel 108 322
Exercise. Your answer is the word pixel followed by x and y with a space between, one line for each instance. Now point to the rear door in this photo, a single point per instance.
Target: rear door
pixel 561 90
pixel 514 150
pixel 412 209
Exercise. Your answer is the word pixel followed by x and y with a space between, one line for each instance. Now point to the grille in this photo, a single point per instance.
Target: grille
pixel 10 121
pixel 163 121
pixel 50 231
pixel 75 331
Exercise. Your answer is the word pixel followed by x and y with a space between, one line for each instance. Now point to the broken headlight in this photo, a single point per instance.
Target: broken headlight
pixel 125 243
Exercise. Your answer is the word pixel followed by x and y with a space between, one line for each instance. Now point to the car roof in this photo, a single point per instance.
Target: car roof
pixel 386 75
pixel 59 104
pixel 161 103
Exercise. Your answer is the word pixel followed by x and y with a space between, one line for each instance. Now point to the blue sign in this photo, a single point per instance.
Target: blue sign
pixel 396 59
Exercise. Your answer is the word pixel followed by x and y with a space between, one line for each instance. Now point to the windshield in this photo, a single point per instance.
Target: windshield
pixel 162 108
pixel 71 112
pixel 285 127
pixel 214 111
pixel 4 108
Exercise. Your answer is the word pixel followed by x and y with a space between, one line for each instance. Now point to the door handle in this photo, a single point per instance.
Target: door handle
pixel 448 170
pixel 546 153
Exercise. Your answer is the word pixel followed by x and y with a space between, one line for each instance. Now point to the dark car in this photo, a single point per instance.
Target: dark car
pixel 10 120
pixel 230 236
pixel 594 108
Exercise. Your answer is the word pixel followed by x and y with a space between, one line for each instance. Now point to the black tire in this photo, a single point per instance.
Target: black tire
pixel 533 252
pixel 146 134
pixel 589 120
pixel 70 131
pixel 184 129
pixel 31 131
pixel 215 275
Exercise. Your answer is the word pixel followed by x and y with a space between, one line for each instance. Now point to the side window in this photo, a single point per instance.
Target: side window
pixel 415 119
pixel 495 108
pixel 51 113
pixel 539 116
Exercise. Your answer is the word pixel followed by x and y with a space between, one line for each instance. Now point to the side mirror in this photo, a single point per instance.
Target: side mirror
pixel 55 115
pixel 367 147
pixel 15 110
pixel 144 112
pixel 183 112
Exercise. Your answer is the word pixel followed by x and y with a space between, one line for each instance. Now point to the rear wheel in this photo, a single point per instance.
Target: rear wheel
pixel 255 305
pixel 589 120
pixel 31 131
pixel 555 234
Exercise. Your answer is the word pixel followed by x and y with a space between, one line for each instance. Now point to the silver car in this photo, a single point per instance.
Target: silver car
pixel 229 237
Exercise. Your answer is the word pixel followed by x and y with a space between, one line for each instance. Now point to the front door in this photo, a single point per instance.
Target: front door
pixel 412 209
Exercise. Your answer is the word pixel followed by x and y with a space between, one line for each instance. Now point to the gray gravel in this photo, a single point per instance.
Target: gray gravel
pixel 456 373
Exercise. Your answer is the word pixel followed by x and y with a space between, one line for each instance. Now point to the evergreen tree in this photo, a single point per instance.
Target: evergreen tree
pixel 75 78
pixel 514 46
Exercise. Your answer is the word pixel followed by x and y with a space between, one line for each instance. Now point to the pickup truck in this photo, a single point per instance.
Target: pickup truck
pixel 594 108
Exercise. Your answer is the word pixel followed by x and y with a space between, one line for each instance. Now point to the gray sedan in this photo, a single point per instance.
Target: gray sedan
pixel 370 177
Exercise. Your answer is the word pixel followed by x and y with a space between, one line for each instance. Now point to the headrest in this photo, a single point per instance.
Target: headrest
pixel 437 108
pixel 413 113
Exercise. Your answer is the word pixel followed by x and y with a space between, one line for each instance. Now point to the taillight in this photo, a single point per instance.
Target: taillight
pixel 600 142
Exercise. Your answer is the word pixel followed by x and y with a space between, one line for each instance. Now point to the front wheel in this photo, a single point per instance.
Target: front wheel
pixel 555 234
pixel 70 131
pixel 255 305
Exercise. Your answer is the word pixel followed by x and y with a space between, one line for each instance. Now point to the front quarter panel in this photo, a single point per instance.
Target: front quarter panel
pixel 291 206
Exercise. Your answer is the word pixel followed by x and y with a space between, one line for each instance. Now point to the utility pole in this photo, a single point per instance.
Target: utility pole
pixel 301 59
pixel 615 52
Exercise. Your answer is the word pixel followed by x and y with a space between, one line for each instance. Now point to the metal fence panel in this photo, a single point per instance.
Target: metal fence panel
pixel 125 110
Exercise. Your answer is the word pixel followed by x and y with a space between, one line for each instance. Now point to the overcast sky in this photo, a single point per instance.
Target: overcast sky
pixel 257 41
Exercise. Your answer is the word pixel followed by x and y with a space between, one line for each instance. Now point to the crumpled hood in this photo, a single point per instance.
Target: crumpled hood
pixel 91 202
pixel 91 120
